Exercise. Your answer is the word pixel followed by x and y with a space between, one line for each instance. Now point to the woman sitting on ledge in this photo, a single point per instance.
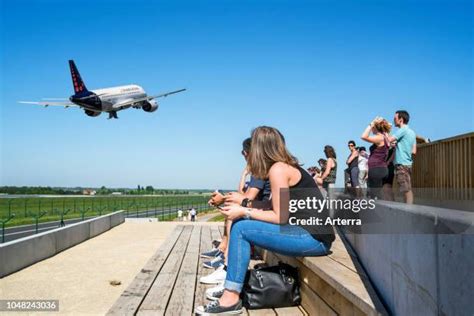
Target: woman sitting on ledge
pixel 269 159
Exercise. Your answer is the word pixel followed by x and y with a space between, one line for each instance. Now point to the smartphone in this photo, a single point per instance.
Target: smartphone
pixel 220 192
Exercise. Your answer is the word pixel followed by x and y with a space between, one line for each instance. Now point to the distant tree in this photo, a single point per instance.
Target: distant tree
pixel 149 189
pixel 103 190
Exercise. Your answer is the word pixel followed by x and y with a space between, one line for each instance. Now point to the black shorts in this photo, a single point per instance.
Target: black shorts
pixel 390 176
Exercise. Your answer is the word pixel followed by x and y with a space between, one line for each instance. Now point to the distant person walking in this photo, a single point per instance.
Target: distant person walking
pixel 377 161
pixel 362 164
pixel 405 139
pixel 193 215
pixel 180 215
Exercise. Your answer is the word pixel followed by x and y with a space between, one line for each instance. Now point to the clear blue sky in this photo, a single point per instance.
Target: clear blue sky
pixel 317 70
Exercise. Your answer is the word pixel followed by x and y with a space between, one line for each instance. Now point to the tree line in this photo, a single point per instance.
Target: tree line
pixel 140 190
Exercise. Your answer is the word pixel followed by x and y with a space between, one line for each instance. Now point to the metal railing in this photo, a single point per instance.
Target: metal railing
pixel 39 210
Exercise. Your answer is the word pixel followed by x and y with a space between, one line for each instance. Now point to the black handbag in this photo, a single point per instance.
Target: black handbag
pixel 271 287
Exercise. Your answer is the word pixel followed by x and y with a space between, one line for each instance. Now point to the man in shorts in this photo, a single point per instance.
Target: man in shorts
pixel 405 139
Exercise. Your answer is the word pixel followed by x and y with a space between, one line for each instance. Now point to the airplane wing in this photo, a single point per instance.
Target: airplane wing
pixel 166 94
pixel 147 98
pixel 46 104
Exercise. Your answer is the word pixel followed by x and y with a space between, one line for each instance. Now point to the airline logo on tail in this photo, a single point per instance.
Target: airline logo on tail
pixel 79 86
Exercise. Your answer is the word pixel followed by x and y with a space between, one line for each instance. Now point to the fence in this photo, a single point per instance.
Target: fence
pixel 24 210
pixel 444 169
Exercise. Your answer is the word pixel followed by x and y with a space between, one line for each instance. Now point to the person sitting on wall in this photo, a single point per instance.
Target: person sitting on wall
pixel 269 159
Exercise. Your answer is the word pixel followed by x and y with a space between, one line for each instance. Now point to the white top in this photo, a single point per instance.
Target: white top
pixel 193 212
pixel 180 213
pixel 363 162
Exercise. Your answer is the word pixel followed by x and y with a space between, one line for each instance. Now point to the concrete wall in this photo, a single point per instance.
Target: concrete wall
pixel 23 252
pixel 425 264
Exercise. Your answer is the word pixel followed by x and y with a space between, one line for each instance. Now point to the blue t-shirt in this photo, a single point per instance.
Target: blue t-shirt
pixel 263 186
pixel 406 138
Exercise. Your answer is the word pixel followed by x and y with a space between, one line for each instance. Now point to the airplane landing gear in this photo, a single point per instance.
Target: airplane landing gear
pixel 113 115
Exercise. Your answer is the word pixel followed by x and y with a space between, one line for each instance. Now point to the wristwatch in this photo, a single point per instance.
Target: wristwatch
pixel 245 202
pixel 247 213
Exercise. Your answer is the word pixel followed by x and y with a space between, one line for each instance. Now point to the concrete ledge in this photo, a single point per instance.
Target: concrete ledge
pixel 23 252
pixel 99 226
pixel 141 220
pixel 423 264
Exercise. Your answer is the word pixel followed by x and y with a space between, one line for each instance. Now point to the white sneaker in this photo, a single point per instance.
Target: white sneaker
pixel 214 293
pixel 215 277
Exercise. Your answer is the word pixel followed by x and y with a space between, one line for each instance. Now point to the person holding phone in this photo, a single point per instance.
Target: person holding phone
pixel 251 189
pixel 269 159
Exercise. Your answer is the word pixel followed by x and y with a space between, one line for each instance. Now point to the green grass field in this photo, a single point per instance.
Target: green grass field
pixel 51 208
pixel 217 218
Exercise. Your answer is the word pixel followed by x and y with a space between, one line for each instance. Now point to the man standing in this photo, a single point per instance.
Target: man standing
pixel 405 138
pixel 193 215
pixel 352 167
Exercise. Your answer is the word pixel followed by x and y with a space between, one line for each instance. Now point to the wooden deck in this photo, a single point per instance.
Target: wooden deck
pixel 169 283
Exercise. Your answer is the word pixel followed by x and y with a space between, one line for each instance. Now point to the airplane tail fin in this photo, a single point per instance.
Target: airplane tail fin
pixel 79 86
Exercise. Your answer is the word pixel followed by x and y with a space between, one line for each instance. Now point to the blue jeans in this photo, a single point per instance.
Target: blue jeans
pixel 286 239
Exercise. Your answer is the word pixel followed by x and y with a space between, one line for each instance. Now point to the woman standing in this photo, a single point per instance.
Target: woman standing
pixel 328 177
pixel 269 159
pixel 378 155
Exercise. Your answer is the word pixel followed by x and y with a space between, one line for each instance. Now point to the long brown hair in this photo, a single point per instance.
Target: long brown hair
pixel 268 147
pixel 329 151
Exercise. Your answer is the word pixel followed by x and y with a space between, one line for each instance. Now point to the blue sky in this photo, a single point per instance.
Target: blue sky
pixel 317 70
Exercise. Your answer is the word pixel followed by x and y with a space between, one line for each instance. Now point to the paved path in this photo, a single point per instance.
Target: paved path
pixel 80 277
pixel 207 217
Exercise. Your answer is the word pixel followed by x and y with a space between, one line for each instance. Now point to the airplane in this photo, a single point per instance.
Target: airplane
pixel 109 100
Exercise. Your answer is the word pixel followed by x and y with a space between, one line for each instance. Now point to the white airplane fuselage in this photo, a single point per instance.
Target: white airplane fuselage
pixel 114 99
pixel 113 96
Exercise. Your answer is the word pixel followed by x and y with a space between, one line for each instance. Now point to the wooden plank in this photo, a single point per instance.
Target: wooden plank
pixel 215 233
pixel 313 304
pixel 303 311
pixel 157 298
pixel 344 255
pixel 261 312
pixel 131 298
pixel 354 287
pixel 289 311
pixel 222 229
pixel 181 301
pixel 205 245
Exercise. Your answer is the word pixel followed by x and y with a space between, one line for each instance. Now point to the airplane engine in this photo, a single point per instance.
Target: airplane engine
pixel 150 106
pixel 91 113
